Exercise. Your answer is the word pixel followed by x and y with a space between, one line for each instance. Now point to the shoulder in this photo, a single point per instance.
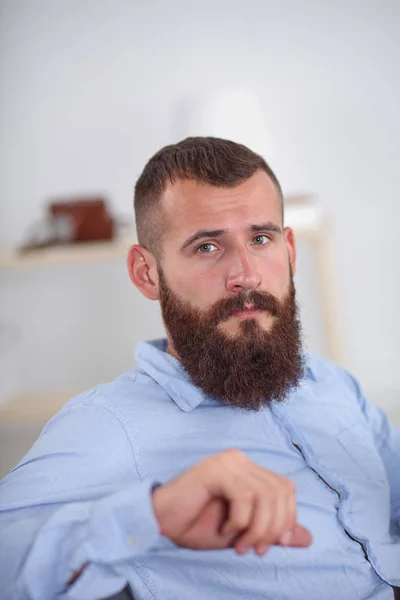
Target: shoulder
pixel 325 372
pixel 131 393
pixel 102 420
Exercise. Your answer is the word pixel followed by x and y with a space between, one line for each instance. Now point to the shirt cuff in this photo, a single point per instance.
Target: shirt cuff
pixel 123 526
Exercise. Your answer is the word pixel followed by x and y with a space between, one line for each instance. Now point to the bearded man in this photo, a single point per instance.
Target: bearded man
pixel 230 464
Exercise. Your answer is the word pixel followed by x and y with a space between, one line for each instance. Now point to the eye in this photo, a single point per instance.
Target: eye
pixel 260 237
pixel 203 249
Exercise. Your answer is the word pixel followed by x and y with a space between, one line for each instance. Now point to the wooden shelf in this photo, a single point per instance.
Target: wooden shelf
pixel 85 252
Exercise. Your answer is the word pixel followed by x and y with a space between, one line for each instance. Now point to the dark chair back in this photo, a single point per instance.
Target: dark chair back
pixel 124 594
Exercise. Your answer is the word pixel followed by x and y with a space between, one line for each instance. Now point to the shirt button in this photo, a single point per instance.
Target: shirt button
pixel 132 541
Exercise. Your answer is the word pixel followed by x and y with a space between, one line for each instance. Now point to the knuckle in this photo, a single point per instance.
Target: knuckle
pixel 205 464
pixel 223 459
pixel 286 487
pixel 279 491
pixel 290 487
pixel 232 453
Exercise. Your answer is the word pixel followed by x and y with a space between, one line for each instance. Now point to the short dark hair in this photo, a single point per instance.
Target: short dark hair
pixel 208 160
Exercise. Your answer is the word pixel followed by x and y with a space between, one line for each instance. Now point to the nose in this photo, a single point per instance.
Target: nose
pixel 244 275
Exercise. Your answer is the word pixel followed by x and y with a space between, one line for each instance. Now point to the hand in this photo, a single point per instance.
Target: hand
pixel 227 500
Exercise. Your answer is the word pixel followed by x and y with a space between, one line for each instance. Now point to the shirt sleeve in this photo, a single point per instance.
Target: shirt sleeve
pixel 75 498
pixel 387 441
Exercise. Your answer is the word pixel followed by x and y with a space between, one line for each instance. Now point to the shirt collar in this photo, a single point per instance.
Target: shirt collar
pixel 152 358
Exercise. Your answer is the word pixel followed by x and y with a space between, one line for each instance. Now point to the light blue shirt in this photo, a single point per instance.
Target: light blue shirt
pixel 83 492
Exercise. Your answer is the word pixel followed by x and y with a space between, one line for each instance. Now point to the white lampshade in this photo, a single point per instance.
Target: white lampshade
pixel 232 114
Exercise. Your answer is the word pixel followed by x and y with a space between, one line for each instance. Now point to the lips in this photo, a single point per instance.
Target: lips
pixel 248 312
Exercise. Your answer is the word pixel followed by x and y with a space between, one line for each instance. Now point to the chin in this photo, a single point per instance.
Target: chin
pixel 244 328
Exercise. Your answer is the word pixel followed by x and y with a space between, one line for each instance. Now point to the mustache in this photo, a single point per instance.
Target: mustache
pixel 226 307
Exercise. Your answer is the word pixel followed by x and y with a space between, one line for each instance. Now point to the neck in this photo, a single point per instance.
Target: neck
pixel 170 348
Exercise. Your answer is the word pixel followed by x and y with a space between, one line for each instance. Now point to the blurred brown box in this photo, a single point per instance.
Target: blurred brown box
pixel 89 218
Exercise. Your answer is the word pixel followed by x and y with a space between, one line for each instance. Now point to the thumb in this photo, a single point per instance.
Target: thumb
pixel 299 537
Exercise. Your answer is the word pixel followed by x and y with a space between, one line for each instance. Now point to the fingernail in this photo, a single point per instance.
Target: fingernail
pixel 286 538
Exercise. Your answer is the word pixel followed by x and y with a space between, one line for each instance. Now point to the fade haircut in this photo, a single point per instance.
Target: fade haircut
pixel 208 160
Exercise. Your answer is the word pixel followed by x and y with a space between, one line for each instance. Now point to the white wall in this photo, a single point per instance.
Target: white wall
pixel 89 90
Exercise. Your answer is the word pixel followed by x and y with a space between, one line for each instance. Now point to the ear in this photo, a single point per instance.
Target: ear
pixel 291 247
pixel 142 269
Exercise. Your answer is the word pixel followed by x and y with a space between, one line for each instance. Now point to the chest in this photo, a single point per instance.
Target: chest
pixel 319 439
pixel 323 432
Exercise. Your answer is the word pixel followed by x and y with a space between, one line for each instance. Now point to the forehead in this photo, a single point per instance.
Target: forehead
pixel 189 205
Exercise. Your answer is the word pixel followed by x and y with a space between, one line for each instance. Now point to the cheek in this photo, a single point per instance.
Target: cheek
pixel 200 288
pixel 276 274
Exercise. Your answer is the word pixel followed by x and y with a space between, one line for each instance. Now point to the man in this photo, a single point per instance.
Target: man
pixel 230 464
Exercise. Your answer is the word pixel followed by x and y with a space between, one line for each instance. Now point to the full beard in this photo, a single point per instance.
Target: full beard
pixel 249 370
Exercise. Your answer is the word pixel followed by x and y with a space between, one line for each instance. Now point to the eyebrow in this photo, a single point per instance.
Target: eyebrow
pixel 214 233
